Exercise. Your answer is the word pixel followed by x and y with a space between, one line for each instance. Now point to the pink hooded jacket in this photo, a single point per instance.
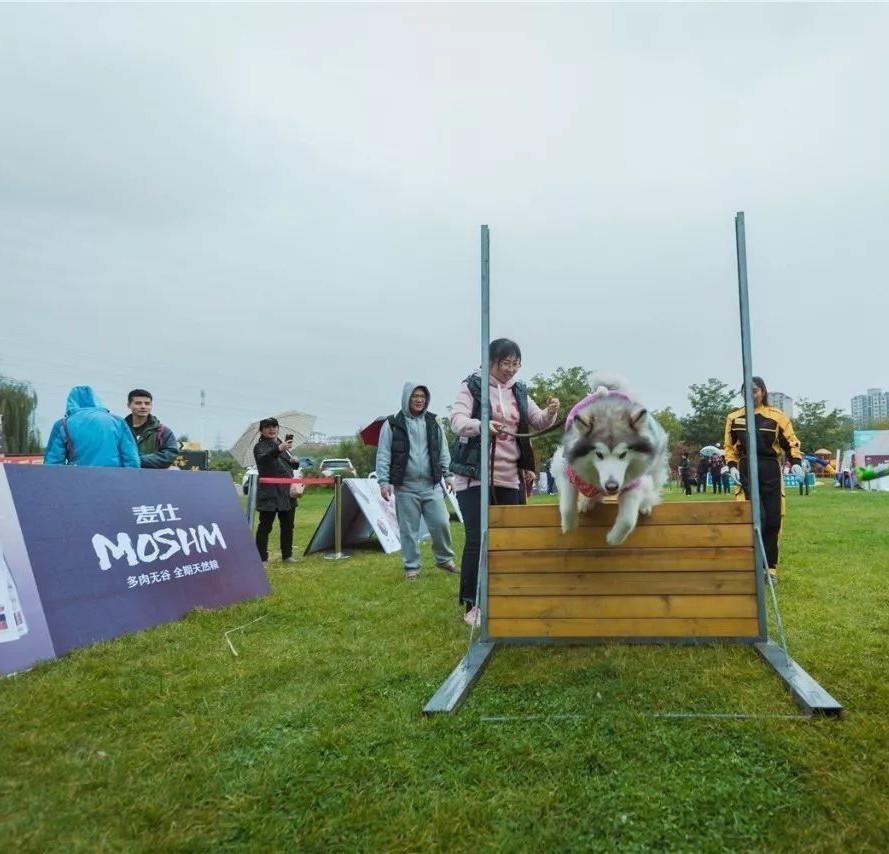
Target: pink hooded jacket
pixel 505 410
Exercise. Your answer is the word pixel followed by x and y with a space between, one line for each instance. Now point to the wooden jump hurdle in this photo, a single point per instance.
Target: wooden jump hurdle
pixel 687 574
pixel 688 571
pixel 694 572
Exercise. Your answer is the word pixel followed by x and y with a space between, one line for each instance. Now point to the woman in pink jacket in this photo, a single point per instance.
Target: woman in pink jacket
pixel 512 411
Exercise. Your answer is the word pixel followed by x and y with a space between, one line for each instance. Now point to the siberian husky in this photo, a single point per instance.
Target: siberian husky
pixel 611 446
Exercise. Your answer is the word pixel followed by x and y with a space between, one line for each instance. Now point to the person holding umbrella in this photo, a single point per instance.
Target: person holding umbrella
pixel 774 436
pixel 274 499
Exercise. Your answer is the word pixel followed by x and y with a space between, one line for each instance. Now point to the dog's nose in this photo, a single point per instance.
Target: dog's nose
pixel 611 486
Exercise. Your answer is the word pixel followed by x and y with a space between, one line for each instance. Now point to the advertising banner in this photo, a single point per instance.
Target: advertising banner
pixel 92 553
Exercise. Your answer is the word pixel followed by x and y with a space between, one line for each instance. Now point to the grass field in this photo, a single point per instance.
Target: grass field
pixel 312 738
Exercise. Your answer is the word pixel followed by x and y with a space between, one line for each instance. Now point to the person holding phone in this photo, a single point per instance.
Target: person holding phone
pixel 273 499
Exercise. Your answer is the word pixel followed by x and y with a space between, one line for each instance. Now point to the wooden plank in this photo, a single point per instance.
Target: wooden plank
pixel 593 628
pixel 621 583
pixel 455 689
pixel 629 607
pixel 675 513
pixel 667 536
pixel 609 559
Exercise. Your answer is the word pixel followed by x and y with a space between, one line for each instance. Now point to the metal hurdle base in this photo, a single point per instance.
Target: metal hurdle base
pixel 808 693
pixel 455 689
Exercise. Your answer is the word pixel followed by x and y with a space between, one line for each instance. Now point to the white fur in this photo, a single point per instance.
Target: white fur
pixel 599 441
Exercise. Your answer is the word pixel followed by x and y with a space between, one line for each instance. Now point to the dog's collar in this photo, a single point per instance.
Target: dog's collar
pixel 598 394
pixel 590 490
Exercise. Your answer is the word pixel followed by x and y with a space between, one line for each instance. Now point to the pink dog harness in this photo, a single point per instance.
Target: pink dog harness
pixel 590 490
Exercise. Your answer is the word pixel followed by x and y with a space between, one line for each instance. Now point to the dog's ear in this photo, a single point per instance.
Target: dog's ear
pixel 586 422
pixel 636 417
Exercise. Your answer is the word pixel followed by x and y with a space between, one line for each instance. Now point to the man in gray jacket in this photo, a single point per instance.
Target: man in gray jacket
pixel 413 459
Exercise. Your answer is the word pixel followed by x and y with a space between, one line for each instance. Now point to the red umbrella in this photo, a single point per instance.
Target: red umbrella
pixel 370 435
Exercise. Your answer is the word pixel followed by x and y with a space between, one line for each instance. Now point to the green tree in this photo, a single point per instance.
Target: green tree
pixel 671 423
pixel 363 457
pixel 877 424
pixel 221 460
pixel 18 409
pixel 570 385
pixel 815 427
pixel 710 403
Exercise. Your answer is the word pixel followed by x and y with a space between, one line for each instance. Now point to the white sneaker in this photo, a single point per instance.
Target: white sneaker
pixel 473 617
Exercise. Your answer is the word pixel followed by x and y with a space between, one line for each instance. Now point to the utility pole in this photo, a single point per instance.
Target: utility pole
pixel 203 404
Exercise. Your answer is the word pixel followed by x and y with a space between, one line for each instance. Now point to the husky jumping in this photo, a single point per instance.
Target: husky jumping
pixel 612 446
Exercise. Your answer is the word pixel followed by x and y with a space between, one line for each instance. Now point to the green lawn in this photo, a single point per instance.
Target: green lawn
pixel 312 737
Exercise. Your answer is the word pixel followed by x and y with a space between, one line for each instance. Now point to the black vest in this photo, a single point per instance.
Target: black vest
pixel 401 448
pixel 466 456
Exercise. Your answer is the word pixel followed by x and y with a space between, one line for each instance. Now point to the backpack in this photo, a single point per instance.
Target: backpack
pixel 69 445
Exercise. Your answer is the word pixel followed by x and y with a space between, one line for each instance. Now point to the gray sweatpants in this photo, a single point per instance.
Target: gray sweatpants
pixel 429 503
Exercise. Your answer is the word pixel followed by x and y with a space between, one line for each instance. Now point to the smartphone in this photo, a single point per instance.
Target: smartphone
pixel 288 437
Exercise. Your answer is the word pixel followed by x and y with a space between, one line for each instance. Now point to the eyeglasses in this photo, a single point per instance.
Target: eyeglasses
pixel 510 364
pixel 418 397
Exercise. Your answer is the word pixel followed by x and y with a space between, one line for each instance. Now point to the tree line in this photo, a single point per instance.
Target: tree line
pixel 709 402
pixel 18 414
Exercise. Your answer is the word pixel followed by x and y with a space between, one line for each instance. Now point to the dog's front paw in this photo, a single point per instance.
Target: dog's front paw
pixel 568 525
pixel 617 535
pixel 584 504
pixel 646 510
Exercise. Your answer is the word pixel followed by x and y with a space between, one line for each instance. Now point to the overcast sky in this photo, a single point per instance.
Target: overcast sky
pixel 281 204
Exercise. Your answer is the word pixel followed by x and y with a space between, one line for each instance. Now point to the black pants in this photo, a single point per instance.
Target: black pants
pixel 686 484
pixel 770 484
pixel 470 501
pixel 285 523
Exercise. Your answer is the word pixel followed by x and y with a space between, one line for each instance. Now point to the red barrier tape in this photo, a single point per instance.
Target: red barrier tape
pixel 327 481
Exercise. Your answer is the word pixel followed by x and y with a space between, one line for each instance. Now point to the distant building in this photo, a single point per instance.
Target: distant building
pixel 868 407
pixel 781 401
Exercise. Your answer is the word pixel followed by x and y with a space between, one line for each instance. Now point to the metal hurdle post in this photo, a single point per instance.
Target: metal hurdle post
pixel 337 553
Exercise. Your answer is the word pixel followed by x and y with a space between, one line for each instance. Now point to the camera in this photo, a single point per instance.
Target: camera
pixel 288 437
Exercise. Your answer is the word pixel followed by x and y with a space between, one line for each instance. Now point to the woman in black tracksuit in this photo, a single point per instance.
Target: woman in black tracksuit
pixel 774 436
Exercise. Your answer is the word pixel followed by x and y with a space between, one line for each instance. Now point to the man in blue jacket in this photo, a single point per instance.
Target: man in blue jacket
pixel 412 459
pixel 89 435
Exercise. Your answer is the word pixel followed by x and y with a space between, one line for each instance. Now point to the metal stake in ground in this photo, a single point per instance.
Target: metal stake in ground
pixel 337 554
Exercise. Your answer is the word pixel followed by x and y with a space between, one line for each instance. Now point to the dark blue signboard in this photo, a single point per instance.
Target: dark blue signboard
pixel 87 554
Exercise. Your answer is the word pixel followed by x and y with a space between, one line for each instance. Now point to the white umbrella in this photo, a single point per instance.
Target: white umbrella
pixel 301 424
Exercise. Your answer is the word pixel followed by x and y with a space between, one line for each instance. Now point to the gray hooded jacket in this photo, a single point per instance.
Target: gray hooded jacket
pixel 417 474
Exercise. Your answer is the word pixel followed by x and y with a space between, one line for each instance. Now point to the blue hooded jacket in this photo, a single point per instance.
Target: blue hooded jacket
pixel 94 437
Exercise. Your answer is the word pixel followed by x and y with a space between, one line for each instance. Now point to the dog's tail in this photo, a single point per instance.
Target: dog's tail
pixel 613 382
